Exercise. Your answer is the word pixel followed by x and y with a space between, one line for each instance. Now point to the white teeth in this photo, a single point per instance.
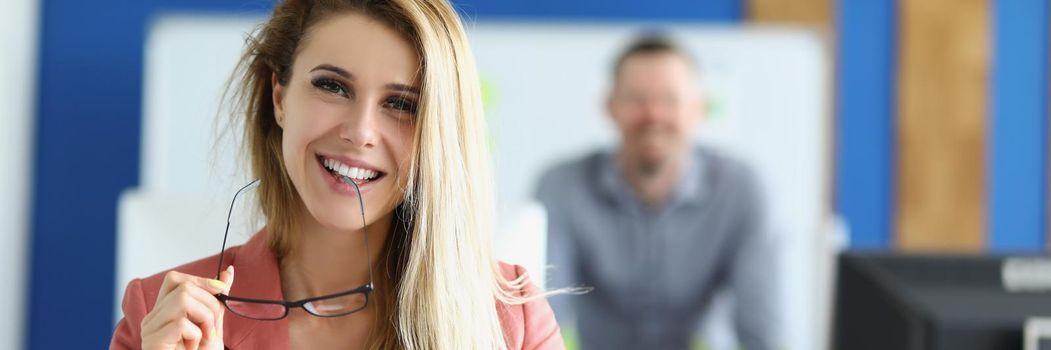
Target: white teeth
pixel 348 171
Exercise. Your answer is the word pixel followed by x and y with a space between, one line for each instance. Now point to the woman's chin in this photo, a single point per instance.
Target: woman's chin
pixel 346 217
pixel 341 227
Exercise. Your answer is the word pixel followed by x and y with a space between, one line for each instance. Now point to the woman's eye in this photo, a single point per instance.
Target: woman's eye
pixel 330 86
pixel 401 104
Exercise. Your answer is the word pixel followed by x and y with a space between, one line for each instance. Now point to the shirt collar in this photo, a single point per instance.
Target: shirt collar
pixel 691 187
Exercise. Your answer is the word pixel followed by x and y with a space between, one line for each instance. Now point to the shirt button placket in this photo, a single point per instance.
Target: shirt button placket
pixel 651 328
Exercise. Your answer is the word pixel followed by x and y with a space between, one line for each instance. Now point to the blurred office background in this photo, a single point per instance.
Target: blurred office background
pixel 879 126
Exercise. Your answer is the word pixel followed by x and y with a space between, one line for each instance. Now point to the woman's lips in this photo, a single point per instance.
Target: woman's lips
pixel 336 183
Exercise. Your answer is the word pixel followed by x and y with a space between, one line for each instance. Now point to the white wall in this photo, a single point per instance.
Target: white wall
pixel 18 43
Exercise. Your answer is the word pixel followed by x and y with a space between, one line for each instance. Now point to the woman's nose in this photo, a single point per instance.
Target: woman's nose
pixel 359 127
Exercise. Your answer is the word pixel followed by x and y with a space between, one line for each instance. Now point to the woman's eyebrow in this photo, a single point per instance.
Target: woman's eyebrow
pixel 339 71
pixel 403 88
pixel 346 75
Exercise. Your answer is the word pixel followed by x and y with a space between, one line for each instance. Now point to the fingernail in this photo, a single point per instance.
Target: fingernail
pixel 217 284
pixel 230 269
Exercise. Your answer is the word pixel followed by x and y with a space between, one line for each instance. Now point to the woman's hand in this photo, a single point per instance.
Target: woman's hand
pixel 187 315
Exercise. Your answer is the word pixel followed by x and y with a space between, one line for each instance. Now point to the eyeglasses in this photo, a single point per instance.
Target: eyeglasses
pixel 331 305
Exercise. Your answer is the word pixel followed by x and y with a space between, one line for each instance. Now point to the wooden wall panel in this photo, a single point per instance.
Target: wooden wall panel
pixel 810 12
pixel 943 70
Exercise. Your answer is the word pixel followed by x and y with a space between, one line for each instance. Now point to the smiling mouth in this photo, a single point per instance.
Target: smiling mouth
pixel 360 176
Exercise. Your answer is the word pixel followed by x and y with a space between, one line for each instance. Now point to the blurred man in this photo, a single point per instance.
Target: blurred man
pixel 658 226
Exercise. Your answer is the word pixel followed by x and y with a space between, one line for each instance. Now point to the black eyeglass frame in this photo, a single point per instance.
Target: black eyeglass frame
pixel 365 289
pixel 288 305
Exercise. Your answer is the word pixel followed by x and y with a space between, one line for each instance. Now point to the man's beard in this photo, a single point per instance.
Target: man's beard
pixel 649 167
pixel 652 147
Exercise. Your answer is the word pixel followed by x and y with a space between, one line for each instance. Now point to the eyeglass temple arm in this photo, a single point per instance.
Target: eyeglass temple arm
pixel 255 183
pixel 229 214
pixel 364 229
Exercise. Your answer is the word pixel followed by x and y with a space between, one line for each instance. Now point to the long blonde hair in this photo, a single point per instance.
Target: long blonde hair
pixel 444 278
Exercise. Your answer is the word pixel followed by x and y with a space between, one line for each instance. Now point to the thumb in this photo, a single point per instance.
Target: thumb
pixel 226 277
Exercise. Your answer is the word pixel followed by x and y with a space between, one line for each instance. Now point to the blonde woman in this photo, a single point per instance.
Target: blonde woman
pixel 364 126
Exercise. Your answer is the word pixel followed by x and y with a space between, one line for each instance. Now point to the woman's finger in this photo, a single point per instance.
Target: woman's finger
pixel 174 279
pixel 183 304
pixel 177 334
pixel 191 334
pixel 226 277
pixel 184 300
pixel 208 300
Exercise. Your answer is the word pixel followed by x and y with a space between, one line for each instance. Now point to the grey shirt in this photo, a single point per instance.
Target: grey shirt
pixel 655 270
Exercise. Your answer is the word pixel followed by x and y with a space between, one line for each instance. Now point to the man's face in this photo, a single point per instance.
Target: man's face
pixel 656 104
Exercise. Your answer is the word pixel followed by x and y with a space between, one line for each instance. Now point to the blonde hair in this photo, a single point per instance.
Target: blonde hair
pixel 444 277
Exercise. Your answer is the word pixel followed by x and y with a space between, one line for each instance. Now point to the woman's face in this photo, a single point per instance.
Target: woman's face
pixel 349 109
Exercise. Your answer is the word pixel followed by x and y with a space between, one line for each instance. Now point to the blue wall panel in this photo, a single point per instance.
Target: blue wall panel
pixel 1018 127
pixel 87 149
pixel 865 112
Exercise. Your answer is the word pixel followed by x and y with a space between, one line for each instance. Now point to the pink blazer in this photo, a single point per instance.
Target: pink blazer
pixel 528 326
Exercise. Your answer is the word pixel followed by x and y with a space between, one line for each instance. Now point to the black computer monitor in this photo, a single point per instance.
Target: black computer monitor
pixel 911 302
